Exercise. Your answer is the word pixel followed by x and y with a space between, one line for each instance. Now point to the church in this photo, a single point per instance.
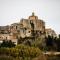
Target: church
pixel 26 27
pixel 30 27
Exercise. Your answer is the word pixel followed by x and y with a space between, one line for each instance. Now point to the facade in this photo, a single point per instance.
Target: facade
pixel 33 23
pixel 4 29
pixel 8 37
pixel 25 28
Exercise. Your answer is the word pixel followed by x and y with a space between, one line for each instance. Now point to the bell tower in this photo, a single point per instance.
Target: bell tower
pixel 33 14
pixel 33 17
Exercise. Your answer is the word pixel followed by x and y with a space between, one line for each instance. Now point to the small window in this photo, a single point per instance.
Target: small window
pixel 28 31
pixel 16 27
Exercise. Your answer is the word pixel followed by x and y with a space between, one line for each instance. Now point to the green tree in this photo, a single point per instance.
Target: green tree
pixel 7 43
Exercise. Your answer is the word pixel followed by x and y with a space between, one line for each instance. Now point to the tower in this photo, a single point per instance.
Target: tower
pixel 33 17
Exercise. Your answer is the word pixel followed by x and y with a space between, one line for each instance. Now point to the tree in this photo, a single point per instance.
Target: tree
pixel 7 43
pixel 49 42
pixel 58 43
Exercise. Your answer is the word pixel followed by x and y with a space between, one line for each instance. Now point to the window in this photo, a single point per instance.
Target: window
pixel 28 31
pixel 16 27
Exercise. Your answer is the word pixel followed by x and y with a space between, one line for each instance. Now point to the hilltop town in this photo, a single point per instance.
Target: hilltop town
pixel 30 27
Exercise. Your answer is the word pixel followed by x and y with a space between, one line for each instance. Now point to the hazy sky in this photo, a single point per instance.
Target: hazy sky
pixel 12 11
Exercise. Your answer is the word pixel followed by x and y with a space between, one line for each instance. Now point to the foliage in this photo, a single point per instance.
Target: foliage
pixel 52 43
pixel 38 43
pixel 58 43
pixel 28 51
pixel 21 52
pixel 49 41
pixel 7 43
pixel 6 58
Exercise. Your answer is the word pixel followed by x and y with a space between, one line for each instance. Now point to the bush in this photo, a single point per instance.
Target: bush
pixel 7 43
pixel 21 51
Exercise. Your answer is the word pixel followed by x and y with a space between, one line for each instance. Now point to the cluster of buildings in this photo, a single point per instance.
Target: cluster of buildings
pixel 25 28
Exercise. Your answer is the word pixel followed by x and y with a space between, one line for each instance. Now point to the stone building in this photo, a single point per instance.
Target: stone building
pixel 50 32
pixel 7 34
pixel 33 23
pixel 25 27
pixel 4 29
pixel 32 26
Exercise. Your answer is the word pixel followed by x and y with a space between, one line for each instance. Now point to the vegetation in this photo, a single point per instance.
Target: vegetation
pixel 7 43
pixel 19 52
pixel 52 43
pixel 46 44
pixel 28 49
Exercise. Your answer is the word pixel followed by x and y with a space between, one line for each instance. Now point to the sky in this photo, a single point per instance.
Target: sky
pixel 12 11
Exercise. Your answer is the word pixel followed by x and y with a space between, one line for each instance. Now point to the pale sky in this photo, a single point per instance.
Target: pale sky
pixel 11 11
